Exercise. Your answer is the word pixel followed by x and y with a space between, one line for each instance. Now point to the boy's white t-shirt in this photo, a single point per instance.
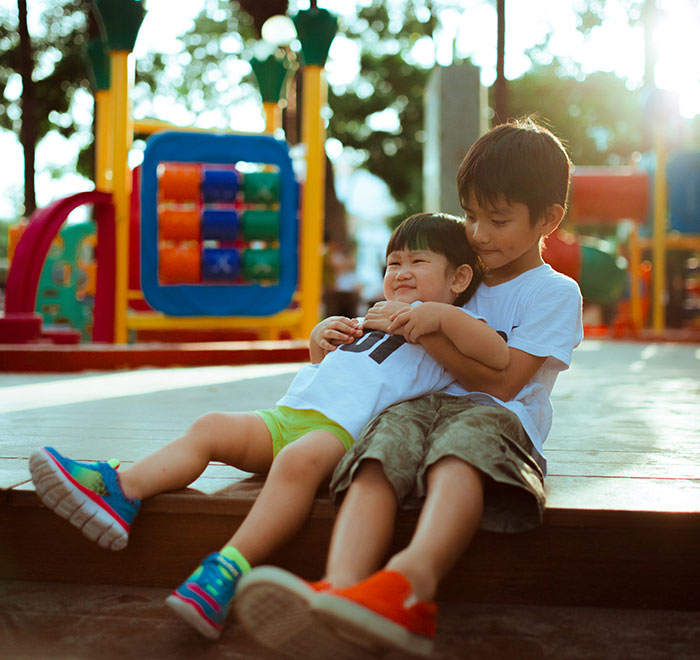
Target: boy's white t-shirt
pixel 355 382
pixel 538 312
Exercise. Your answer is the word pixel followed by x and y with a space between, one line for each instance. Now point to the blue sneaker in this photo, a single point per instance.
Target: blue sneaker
pixel 203 599
pixel 88 495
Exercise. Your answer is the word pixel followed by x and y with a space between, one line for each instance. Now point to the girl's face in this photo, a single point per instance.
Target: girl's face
pixel 419 275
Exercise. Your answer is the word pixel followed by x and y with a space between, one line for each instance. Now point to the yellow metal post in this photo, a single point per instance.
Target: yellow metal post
pixel 312 211
pixel 103 140
pixel 273 116
pixel 659 241
pixel 122 137
pixel 635 280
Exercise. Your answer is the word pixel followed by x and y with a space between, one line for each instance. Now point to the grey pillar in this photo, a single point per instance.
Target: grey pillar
pixel 455 116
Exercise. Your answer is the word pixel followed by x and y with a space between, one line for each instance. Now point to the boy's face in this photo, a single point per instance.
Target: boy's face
pixel 503 236
pixel 413 275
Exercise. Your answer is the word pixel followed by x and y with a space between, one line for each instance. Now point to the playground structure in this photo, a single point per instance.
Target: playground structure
pixel 217 214
pixel 606 197
pixel 205 235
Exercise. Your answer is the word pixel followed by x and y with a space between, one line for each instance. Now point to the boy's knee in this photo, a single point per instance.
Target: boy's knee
pixel 370 473
pixel 452 467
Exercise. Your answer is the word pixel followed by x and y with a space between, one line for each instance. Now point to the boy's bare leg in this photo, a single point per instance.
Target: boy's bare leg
pixel 450 517
pixel 364 528
pixel 238 439
pixel 288 494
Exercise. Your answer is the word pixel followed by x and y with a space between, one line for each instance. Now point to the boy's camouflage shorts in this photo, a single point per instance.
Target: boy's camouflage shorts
pixel 409 437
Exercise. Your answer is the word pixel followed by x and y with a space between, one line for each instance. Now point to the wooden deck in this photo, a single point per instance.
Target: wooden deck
pixel 622 528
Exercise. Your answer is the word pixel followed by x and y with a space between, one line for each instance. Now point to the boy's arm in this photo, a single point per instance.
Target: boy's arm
pixel 472 337
pixel 475 376
pixel 331 333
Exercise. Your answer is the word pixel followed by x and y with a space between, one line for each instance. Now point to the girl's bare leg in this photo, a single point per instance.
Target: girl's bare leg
pixel 364 528
pixel 238 439
pixel 450 517
pixel 288 494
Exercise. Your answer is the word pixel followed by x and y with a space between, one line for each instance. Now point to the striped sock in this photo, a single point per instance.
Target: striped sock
pixel 235 555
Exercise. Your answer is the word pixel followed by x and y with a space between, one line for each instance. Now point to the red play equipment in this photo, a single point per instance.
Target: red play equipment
pixel 21 322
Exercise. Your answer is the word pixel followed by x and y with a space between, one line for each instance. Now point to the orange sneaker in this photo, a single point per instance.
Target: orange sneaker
pixel 382 610
pixel 273 605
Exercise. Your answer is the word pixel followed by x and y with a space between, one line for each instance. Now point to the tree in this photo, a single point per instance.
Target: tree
pixel 391 82
pixel 598 117
pixel 208 78
pixel 51 68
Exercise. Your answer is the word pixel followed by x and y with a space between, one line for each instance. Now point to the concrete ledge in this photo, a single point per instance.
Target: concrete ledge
pixel 57 358
pixel 632 559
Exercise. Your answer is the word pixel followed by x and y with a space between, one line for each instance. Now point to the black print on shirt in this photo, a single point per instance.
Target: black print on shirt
pixel 382 351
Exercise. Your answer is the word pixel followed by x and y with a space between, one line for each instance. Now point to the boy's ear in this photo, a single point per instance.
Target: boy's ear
pixel 461 278
pixel 552 218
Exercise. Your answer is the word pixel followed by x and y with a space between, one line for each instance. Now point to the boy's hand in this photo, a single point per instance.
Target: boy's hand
pixel 334 331
pixel 417 320
pixel 379 316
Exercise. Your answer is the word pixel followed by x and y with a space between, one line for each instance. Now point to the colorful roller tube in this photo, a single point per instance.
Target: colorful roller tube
pixel 261 188
pixel 220 225
pixel 179 182
pixel 179 264
pixel 260 225
pixel 178 224
pixel 220 264
pixel 219 186
pixel 261 265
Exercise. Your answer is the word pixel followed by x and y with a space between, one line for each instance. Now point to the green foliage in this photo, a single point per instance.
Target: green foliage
pixel 389 80
pixel 598 117
pixel 59 67
pixel 208 74
pixel 4 237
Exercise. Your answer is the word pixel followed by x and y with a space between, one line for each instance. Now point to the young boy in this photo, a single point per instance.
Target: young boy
pixel 303 438
pixel 465 461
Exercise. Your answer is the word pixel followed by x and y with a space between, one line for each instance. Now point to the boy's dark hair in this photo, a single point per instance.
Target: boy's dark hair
pixel 520 161
pixel 441 233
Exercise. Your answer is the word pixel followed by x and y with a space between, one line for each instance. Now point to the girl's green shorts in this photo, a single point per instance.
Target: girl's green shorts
pixel 288 424
pixel 409 437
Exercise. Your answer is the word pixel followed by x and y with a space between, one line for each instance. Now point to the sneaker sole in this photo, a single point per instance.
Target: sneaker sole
pixel 66 497
pixel 274 608
pixel 358 620
pixel 189 613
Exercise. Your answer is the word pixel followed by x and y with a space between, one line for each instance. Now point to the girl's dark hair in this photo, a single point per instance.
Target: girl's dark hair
pixel 520 161
pixel 441 233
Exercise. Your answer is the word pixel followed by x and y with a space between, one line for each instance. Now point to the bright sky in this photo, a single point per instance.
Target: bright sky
pixel 470 32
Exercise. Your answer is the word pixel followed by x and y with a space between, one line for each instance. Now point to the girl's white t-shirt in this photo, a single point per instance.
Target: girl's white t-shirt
pixel 355 382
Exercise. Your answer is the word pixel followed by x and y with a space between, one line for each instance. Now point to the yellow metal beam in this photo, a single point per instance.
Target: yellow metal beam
pixel 121 184
pixel 658 306
pixel 312 208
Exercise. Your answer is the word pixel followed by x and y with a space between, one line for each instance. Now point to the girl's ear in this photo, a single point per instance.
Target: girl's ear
pixel 461 278
pixel 551 219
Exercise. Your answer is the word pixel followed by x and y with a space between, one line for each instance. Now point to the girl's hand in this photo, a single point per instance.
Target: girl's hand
pixel 333 332
pixel 379 316
pixel 416 321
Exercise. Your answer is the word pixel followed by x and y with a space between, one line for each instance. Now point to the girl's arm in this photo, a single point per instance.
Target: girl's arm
pixel 472 337
pixel 331 333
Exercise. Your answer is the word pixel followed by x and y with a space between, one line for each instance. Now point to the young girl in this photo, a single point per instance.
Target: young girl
pixel 464 462
pixel 354 375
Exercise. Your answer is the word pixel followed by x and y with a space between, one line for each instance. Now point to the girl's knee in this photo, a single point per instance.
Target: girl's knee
pixel 298 461
pixel 206 425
